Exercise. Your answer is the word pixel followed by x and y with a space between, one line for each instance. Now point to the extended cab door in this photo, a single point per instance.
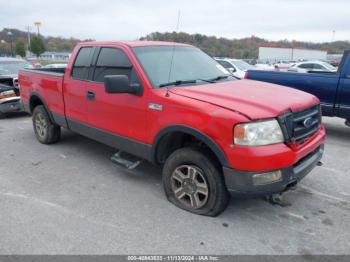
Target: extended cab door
pixel 123 115
pixel 74 86
pixel 343 96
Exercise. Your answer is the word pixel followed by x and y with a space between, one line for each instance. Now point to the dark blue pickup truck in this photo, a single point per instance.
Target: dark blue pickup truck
pixel 333 89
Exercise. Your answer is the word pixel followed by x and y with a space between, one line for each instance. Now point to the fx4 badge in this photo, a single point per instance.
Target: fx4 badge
pixel 155 107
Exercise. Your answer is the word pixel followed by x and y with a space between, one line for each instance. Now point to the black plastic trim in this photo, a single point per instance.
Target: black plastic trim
pixel 122 143
pixel 191 131
pixel 59 119
pixel 33 94
pixel 241 182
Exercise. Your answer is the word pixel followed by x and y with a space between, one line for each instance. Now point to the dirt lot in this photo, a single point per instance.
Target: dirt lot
pixel 69 198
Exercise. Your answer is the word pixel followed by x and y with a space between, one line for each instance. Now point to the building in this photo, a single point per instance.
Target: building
pixel 274 54
pixel 55 56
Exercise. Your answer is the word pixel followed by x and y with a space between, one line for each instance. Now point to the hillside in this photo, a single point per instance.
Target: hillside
pixel 238 48
pixel 242 48
pixel 51 43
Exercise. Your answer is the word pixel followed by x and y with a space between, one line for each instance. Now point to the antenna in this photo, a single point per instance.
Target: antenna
pixel 172 55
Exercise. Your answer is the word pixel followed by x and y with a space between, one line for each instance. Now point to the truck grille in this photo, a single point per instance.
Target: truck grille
pixel 299 126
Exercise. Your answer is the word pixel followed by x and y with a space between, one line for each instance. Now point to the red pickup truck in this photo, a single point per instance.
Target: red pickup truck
pixel 175 106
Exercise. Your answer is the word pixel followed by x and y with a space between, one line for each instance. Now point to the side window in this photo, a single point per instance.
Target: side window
pixel 306 66
pixel 224 64
pixel 317 66
pixel 113 61
pixel 82 63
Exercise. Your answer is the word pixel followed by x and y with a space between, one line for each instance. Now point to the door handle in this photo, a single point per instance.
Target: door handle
pixel 90 95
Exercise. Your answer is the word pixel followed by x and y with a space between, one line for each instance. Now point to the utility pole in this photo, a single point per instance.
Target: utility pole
pixel 9 33
pixel 333 35
pixel 28 36
pixel 38 24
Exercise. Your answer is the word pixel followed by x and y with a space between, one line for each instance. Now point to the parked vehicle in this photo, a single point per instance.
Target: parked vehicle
pixel 315 66
pixel 175 106
pixel 282 65
pixel 332 88
pixel 236 67
pixel 9 91
pixel 56 65
pixel 262 65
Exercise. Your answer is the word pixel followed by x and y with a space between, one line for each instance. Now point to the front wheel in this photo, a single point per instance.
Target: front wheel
pixel 45 130
pixel 193 181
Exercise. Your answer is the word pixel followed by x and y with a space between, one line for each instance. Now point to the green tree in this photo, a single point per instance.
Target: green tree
pixel 37 45
pixel 20 48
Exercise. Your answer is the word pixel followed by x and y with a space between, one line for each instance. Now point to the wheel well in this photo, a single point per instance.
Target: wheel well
pixel 34 102
pixel 177 139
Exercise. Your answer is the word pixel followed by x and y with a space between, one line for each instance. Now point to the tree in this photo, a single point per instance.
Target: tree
pixel 37 45
pixel 20 48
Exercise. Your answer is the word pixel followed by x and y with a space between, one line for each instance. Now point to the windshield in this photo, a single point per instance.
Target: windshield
pixel 166 64
pixel 242 65
pixel 12 68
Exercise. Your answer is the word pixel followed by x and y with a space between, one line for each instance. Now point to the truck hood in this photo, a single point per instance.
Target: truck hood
pixel 255 100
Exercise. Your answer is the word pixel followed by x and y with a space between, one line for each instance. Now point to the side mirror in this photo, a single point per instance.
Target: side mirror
pixel 232 69
pixel 119 84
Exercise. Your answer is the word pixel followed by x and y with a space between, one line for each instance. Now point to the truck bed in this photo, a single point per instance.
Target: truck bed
pixel 49 81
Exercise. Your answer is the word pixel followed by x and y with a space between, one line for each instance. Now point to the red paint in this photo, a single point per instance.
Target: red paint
pixel 212 109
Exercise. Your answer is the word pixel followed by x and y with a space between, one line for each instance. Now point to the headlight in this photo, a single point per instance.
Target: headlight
pixel 258 133
pixel 6 94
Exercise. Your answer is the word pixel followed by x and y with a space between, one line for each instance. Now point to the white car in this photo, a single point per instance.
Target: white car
pixel 316 66
pixel 236 67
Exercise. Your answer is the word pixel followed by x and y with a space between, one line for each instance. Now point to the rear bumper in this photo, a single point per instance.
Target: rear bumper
pixel 241 182
pixel 12 104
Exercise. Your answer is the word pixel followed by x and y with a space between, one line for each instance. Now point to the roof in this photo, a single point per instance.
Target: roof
pixel 136 43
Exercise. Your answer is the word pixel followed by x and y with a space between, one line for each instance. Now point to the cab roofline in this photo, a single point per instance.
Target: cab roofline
pixel 133 43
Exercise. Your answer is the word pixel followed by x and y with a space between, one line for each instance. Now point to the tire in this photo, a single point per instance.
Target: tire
pixel 192 181
pixel 45 130
pixel 2 115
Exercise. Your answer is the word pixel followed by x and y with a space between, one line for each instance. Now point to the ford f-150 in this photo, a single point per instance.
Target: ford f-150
pixel 175 106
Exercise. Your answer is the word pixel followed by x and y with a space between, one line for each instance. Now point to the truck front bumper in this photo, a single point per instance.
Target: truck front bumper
pixel 244 183
pixel 11 104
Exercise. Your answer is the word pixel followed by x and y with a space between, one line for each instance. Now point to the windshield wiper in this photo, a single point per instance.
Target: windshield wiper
pixel 213 80
pixel 193 81
pixel 178 82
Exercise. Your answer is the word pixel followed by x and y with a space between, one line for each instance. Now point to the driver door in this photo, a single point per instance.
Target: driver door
pixel 122 115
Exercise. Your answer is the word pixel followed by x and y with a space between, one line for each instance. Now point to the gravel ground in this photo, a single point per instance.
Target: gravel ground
pixel 69 198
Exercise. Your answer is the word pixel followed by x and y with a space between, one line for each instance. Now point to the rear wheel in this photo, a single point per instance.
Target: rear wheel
pixel 193 181
pixel 2 115
pixel 45 130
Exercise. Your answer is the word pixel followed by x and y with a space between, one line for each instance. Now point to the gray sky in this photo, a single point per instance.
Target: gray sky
pixel 307 20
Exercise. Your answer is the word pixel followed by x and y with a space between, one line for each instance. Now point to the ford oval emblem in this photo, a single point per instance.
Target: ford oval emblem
pixel 308 122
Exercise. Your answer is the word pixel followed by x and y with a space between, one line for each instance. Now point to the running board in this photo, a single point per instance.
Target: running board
pixel 125 160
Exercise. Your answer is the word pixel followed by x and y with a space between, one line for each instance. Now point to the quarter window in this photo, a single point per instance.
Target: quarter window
pixel 82 63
